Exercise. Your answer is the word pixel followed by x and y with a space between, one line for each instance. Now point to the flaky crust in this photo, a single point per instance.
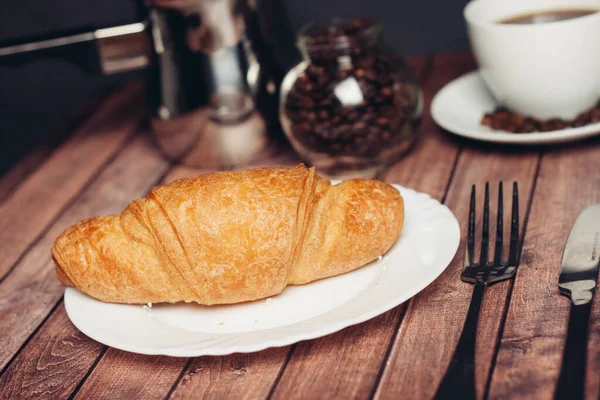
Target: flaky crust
pixel 230 237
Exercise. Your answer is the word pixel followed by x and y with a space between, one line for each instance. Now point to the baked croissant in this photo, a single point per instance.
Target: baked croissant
pixel 230 237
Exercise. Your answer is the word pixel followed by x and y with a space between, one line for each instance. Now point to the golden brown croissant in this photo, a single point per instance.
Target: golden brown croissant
pixel 230 237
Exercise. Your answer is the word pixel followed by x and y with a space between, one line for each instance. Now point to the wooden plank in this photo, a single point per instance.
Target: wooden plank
pixel 237 376
pixel 344 365
pixel 347 364
pixel 530 354
pixel 423 348
pixel 122 375
pixel 41 198
pixel 428 166
pixel 50 367
pixel 12 178
pixel 32 290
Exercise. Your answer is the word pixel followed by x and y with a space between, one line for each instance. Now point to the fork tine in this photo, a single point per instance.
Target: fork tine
pixel 514 228
pixel 499 228
pixel 485 233
pixel 471 232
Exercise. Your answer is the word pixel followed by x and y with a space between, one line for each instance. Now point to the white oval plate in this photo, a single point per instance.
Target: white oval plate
pixel 460 105
pixel 426 246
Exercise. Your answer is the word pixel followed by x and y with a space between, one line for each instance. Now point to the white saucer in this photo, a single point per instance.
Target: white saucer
pixel 461 104
pixel 426 246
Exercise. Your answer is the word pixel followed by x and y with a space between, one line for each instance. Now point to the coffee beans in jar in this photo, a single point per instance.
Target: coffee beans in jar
pixel 352 106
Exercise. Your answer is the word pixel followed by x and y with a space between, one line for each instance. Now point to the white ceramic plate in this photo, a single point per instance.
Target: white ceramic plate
pixel 461 104
pixel 426 246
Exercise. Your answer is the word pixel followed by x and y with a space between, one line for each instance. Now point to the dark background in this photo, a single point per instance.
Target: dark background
pixel 36 100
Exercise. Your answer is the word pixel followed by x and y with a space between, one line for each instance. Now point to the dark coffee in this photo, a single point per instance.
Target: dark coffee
pixel 543 17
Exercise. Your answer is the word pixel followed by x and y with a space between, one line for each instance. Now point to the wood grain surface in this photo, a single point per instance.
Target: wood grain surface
pixel 52 363
pixel 44 195
pixel 531 349
pixel 403 353
pixel 17 174
pixel 122 375
pixel 236 376
pixel 32 290
pixel 415 366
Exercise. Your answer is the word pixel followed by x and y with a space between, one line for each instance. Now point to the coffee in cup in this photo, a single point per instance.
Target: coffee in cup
pixel 539 58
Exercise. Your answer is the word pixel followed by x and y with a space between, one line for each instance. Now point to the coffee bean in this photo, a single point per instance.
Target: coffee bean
pixel 342 74
pixel 528 126
pixel 323 115
pixel 501 119
pixel 486 120
pixel 374 130
pixel 302 128
pixel 366 62
pixel 359 73
pixel 382 121
pixel 359 126
pixel 352 116
pixel 307 102
pixel 363 129
pixel 371 75
pixel 386 91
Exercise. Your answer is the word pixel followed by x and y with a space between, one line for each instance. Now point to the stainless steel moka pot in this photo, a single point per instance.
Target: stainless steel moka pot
pixel 209 97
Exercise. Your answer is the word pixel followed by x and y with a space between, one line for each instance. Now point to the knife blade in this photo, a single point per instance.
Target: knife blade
pixel 578 276
pixel 581 259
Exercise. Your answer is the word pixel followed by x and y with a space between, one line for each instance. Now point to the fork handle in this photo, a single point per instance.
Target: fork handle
pixel 459 380
pixel 572 374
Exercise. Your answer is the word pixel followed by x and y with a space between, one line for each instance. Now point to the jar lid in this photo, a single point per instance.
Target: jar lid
pixel 337 36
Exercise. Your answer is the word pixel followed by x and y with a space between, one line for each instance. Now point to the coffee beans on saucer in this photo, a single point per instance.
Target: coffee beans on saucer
pixel 502 119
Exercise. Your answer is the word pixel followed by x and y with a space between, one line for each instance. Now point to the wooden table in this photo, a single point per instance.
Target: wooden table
pixel 402 354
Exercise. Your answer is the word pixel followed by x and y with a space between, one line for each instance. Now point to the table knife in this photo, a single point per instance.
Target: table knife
pixel 578 276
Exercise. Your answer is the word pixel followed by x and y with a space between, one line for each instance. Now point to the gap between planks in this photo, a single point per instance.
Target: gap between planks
pixel 511 285
pixel 66 206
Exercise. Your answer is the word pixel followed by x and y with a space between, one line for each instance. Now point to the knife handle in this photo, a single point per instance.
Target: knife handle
pixel 571 381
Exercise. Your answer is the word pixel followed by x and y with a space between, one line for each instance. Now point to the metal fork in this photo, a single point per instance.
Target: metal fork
pixel 459 380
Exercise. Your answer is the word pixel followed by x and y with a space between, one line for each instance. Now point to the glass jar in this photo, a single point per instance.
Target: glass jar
pixel 352 106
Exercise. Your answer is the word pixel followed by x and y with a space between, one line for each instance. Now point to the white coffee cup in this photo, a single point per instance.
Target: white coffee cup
pixel 546 70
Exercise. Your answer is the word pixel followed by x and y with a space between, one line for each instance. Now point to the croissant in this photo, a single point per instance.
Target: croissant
pixel 230 237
